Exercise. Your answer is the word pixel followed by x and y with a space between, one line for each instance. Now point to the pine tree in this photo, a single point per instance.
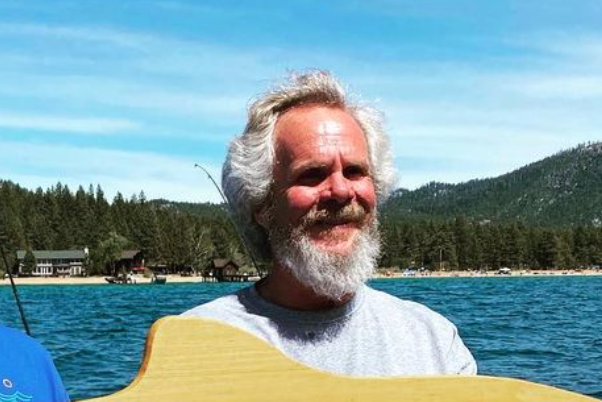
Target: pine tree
pixel 108 252
pixel 65 220
pixel 145 228
pixel 82 215
pixel 102 216
pixel 119 216
pixel 463 242
pixel 41 235
pixel 29 262
pixel 549 250
pixel 12 235
pixel 513 247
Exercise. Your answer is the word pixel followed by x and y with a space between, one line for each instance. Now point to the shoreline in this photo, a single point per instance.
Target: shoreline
pixel 93 280
pixel 382 274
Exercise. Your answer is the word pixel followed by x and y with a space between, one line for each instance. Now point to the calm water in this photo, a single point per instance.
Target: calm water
pixel 547 330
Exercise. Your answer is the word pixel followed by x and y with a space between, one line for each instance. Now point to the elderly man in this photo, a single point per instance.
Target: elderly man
pixel 305 179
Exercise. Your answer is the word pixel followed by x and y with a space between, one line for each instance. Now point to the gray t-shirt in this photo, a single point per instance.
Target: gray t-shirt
pixel 374 334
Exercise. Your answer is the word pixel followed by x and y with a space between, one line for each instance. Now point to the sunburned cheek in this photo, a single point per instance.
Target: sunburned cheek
pixel 301 199
pixel 366 192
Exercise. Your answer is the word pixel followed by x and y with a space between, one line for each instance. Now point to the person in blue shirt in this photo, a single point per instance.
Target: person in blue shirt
pixel 27 373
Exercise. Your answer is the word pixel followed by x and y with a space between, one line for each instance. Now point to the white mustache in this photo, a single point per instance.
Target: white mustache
pixel 352 213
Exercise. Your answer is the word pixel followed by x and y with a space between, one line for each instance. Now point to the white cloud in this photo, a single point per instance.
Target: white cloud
pixel 463 153
pixel 492 117
pixel 66 124
pixel 566 87
pixel 574 49
pixel 143 52
pixel 135 70
pixel 117 94
pixel 565 66
pixel 158 175
pixel 88 33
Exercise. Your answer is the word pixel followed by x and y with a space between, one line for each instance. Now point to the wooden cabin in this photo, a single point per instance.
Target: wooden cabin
pixel 224 270
pixel 128 259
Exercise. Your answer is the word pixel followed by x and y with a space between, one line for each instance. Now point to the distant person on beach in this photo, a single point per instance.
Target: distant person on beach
pixel 304 180
pixel 26 370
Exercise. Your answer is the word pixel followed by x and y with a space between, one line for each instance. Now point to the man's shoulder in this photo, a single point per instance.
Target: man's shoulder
pixel 238 309
pixel 220 306
pixel 422 329
pixel 396 308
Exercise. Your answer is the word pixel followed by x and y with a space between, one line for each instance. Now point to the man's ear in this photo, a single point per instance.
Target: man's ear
pixel 261 217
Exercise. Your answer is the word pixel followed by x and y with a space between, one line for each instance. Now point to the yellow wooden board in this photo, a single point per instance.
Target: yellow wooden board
pixel 191 359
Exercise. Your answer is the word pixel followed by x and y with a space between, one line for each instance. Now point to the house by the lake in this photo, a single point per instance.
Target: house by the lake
pixel 55 262
pixel 130 260
pixel 224 270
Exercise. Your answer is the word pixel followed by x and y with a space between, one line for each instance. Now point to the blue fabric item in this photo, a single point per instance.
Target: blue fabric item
pixel 27 373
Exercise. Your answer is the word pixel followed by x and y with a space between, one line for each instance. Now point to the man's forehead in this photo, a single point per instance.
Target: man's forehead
pixel 319 130
pixel 330 134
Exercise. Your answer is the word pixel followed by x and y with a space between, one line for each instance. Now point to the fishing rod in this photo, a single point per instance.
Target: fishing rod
pixel 241 237
pixel 15 292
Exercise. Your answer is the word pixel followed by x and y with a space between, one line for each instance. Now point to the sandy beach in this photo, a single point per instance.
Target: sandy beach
pixel 92 280
pixel 382 274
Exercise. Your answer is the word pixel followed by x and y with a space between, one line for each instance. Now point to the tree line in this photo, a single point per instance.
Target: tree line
pixel 60 219
pixel 463 244
pixel 562 190
pixel 182 235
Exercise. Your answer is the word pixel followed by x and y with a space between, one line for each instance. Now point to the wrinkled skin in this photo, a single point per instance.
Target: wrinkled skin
pixel 322 165
pixel 323 183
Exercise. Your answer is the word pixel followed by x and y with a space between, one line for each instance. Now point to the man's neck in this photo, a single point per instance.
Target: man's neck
pixel 280 287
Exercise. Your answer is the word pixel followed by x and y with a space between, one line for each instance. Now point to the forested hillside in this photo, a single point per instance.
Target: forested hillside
pixel 544 215
pixel 561 190
pixel 58 218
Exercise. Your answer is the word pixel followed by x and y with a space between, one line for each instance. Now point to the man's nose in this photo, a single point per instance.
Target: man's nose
pixel 338 189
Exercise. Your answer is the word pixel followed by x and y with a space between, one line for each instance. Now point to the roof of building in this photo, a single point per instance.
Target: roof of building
pixel 54 254
pixel 128 254
pixel 222 262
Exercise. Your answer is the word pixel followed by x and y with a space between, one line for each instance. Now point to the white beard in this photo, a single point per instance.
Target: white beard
pixel 331 275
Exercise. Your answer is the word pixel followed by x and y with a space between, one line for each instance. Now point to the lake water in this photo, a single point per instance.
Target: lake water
pixel 543 329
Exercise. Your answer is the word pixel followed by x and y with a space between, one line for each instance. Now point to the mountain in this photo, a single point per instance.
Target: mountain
pixel 562 190
pixel 203 210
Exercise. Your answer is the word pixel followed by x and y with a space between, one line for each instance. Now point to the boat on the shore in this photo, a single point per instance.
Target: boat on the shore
pixel 159 280
pixel 504 271
pixel 122 279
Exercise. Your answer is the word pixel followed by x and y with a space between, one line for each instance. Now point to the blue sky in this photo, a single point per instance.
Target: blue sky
pixel 130 94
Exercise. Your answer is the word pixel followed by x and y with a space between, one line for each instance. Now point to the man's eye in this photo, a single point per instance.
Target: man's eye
pixel 311 177
pixel 354 172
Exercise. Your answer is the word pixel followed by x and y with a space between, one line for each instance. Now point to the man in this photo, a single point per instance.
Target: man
pixel 304 179
pixel 26 370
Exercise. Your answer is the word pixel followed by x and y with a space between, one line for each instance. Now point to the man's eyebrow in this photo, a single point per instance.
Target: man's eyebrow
pixel 362 163
pixel 308 166
pixel 304 166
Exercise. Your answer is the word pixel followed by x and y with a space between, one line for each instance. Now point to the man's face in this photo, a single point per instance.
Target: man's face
pixel 322 177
